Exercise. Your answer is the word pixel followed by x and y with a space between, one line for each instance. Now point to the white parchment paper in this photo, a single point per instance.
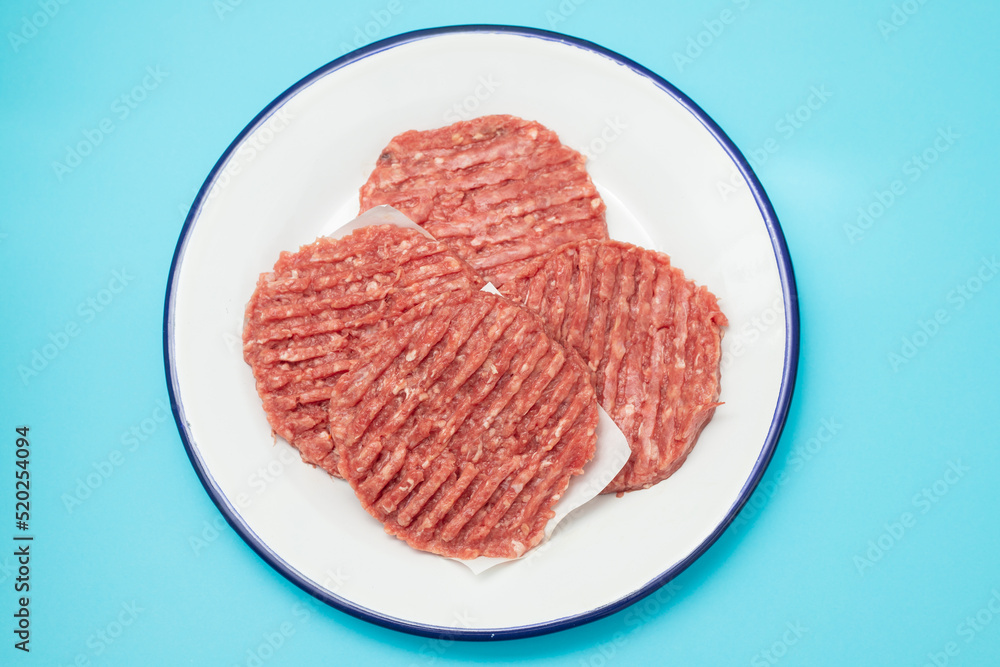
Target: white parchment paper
pixel 612 451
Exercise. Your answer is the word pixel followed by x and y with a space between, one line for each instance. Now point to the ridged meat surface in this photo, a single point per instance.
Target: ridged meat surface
pixel 651 336
pixel 306 318
pixel 499 190
pixel 462 426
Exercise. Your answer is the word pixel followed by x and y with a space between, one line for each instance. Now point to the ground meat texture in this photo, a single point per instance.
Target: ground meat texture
pixel 498 189
pixel 651 337
pixel 306 318
pixel 463 425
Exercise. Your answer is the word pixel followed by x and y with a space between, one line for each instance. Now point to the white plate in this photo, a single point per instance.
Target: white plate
pixel 672 181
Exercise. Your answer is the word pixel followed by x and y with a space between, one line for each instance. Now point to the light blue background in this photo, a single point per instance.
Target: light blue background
pixel 791 559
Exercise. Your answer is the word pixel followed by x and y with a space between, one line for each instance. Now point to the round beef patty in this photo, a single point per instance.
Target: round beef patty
pixel 499 190
pixel 462 426
pixel 306 317
pixel 652 338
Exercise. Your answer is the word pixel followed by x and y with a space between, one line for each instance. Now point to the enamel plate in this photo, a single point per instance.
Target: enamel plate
pixel 672 181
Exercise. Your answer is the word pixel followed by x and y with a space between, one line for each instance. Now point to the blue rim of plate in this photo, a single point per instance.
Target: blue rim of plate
pixel 789 294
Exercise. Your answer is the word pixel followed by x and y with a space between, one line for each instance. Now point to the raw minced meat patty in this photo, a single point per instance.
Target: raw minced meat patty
pixel 498 189
pixel 651 336
pixel 462 426
pixel 306 317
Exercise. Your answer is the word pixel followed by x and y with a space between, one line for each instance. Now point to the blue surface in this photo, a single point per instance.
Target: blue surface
pixel 841 557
